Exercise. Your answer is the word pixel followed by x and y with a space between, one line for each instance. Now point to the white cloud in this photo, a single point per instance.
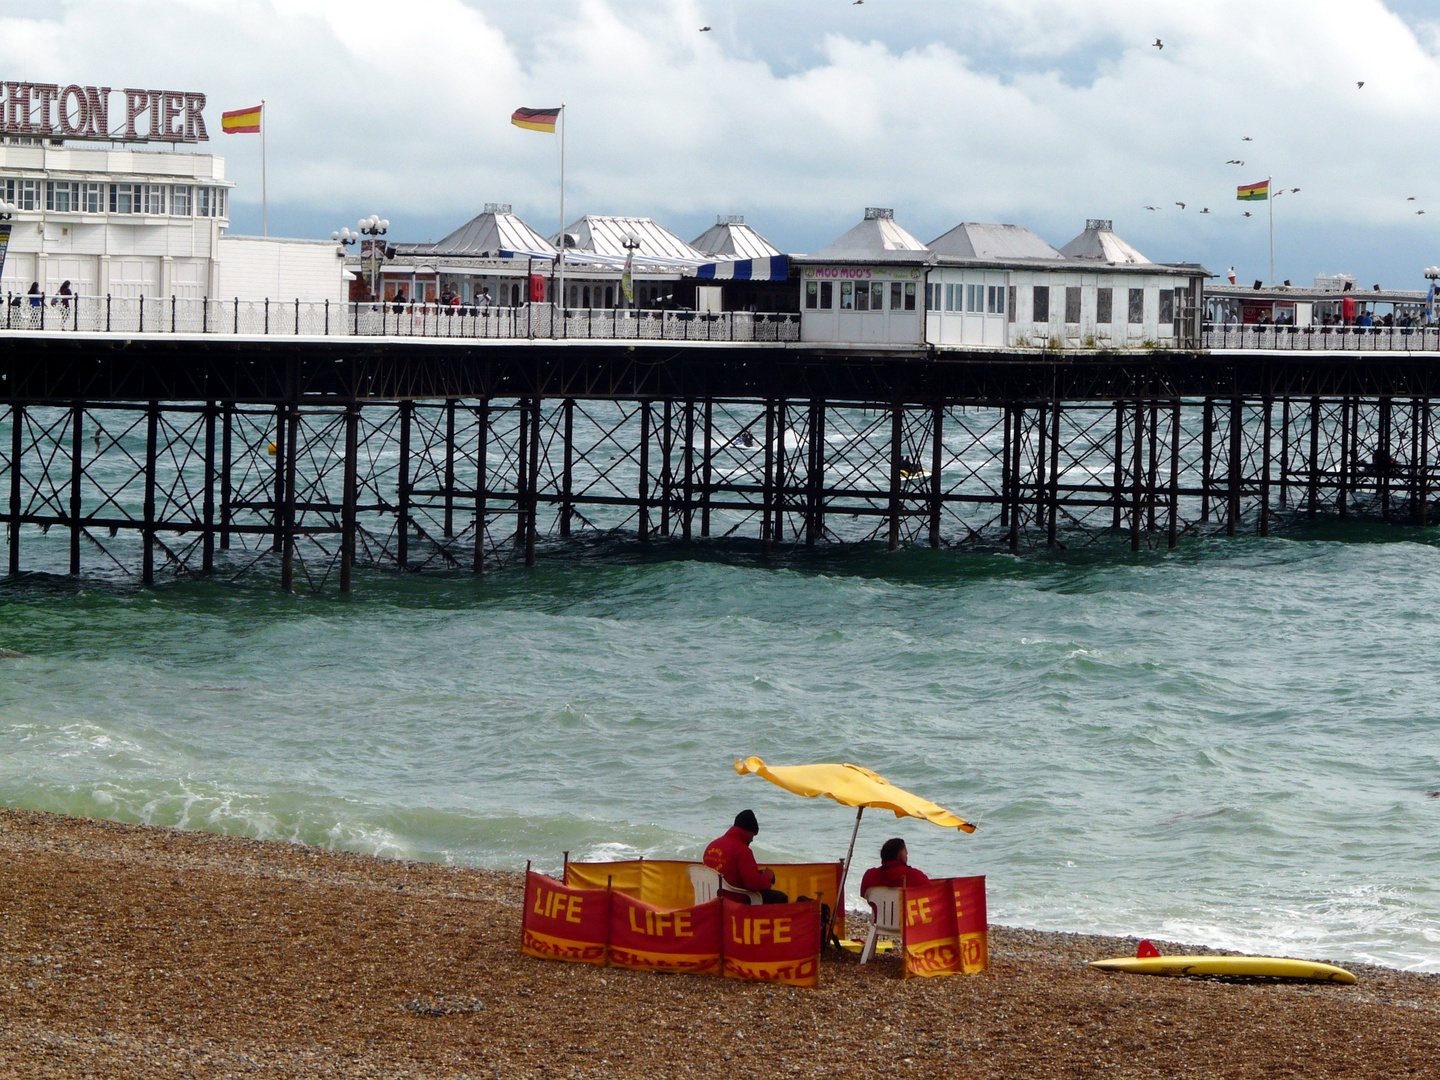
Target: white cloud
pixel 1037 111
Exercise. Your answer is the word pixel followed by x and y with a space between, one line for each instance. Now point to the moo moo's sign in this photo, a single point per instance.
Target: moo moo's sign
pixel 49 110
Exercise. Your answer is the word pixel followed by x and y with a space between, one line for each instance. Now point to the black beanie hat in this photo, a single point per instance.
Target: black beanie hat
pixel 745 819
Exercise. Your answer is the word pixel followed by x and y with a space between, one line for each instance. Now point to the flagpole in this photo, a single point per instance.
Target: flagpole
pixel 562 219
pixel 1270 202
pixel 264 194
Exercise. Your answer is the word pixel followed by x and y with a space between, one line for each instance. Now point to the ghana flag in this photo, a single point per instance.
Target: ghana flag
pixel 535 119
pixel 1253 192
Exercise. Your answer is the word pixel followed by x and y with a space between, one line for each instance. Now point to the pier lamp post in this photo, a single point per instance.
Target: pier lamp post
pixel 7 210
pixel 631 244
pixel 1432 275
pixel 374 227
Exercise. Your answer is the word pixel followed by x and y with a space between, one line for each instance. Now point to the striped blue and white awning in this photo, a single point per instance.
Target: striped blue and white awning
pixel 775 268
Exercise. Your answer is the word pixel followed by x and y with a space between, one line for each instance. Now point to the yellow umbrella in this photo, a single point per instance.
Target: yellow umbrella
pixel 852 785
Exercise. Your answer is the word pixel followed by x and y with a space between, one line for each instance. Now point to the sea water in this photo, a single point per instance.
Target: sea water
pixel 1230 744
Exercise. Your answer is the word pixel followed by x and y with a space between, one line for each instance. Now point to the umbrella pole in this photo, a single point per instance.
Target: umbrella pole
pixel 845 873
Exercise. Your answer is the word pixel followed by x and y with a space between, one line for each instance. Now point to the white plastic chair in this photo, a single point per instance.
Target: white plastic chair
pixel 707 884
pixel 884 918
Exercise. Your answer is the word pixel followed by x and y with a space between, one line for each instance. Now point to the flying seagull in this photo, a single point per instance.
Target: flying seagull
pixel 1181 205
pixel 1234 161
pixel 1360 85
pixel 703 29
pixel 1206 210
pixel 1157 44
pixel 1294 191
pixel 1246 138
pixel 1410 198
pixel 1152 208
pixel 1419 211
pixel 1247 213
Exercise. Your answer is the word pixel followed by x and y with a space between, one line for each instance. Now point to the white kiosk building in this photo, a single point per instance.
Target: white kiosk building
pixel 995 286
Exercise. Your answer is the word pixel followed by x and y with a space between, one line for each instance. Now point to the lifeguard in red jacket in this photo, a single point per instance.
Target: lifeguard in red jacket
pixel 894 871
pixel 731 856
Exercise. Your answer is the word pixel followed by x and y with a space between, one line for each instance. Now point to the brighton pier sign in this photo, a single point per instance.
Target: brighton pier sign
pixel 52 111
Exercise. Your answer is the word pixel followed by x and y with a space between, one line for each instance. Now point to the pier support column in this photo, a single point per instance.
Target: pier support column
pixel 897 434
pixel 782 413
pixel 402 524
pixel 705 467
pixel 1422 471
pixel 1412 485
pixel 937 446
pixel 1232 495
pixel 1284 496
pixel 277 541
pixel 644 493
pixel 814 484
pixel 1137 503
pixel 1052 520
pixel 1152 475
pixel 482 451
pixel 667 479
pixel 448 529
pixel 77 418
pixel 687 490
pixel 152 426
pixel 17 424
pixel 767 485
pixel 227 446
pixel 207 558
pixel 1012 493
pixel 1312 493
pixel 1384 459
pixel 287 556
pixel 532 502
pixel 1207 450
pixel 1267 405
pixel 1041 490
pixel 349 496
pixel 567 473
pixel 1342 500
pixel 1005 467
pixel 1173 531
pixel 1118 484
pixel 522 458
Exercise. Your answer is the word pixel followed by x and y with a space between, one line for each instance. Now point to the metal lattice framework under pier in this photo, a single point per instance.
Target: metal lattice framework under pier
pixel 318 487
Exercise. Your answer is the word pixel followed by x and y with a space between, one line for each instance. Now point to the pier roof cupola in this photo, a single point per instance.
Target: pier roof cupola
pixel 876 239
pixel 490 233
pixel 731 238
pixel 600 234
pixel 1098 243
pixel 987 243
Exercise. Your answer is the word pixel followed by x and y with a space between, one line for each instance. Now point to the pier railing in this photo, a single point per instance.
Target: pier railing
pixel 300 318
pixel 1254 338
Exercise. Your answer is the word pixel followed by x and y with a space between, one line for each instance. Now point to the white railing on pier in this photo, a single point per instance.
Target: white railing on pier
pixel 292 318
pixel 1254 338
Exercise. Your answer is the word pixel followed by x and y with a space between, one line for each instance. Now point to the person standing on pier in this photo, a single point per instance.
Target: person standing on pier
pixel 731 856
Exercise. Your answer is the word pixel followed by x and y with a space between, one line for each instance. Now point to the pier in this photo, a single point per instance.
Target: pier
pixel 319 447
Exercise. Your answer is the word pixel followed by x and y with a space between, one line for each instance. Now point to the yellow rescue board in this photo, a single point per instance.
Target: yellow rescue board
pixel 1258 967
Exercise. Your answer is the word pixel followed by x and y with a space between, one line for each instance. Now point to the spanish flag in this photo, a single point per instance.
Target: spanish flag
pixel 240 121
pixel 535 119
pixel 1253 192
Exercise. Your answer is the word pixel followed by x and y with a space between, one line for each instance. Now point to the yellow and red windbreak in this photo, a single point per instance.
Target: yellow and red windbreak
pixel 650 938
pixel 945 928
pixel 772 942
pixel 561 923
pixel 241 121
pixel 535 119
pixel 666 882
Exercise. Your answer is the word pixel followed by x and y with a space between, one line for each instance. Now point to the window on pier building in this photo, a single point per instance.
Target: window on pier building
pixel 62 196
pixel 1072 304
pixel 25 194
pixel 995 299
pixel 154 199
pixel 862 296
pixel 1167 305
pixel 877 296
pixel 1010 309
pixel 909 296
pixel 896 292
pixel 827 294
pixel 1040 304
pixel 1104 306
pixel 949 297
pixel 180 200
pixel 126 198
pixel 847 296
pixel 812 295
pixel 1137 306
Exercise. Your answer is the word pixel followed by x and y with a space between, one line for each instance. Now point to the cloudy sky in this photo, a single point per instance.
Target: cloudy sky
pixel 799 113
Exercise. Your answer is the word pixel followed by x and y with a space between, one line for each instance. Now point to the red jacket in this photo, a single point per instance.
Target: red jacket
pixel 732 857
pixel 892 875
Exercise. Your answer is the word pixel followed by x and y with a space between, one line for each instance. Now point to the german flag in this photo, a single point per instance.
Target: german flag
pixel 1253 192
pixel 535 119
pixel 241 121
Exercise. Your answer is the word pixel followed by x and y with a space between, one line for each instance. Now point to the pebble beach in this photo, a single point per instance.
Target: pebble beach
pixel 136 951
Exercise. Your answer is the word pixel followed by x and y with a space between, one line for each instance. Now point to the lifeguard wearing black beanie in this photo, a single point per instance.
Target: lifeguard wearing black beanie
pixel 745 819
